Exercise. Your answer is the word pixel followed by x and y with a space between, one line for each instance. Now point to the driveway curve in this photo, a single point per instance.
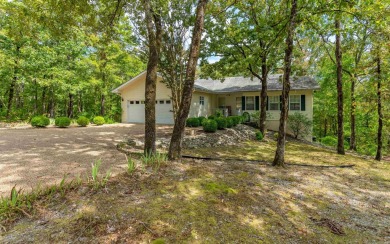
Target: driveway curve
pixel 29 157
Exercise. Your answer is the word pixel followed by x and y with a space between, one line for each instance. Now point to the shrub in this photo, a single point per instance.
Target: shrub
pixel 109 120
pixel 235 120
pixel 211 117
pixel 218 113
pixel 40 121
pixel 329 141
pixel 192 122
pixel 276 135
pixel 62 122
pixel 99 120
pixel 221 122
pixel 229 122
pixel 210 125
pixel 83 121
pixel 259 136
pixel 201 119
pixel 246 117
pixel 299 124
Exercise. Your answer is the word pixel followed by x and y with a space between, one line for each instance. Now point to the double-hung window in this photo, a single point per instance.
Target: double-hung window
pixel 250 103
pixel 201 100
pixel 295 102
pixel 273 102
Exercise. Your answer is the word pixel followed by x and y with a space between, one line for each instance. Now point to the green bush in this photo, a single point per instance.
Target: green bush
pixel 246 117
pixel 62 122
pixel 218 113
pixel 259 136
pixel 99 120
pixel 83 121
pixel 210 125
pixel 276 135
pixel 40 121
pixel 221 122
pixel 299 124
pixel 229 122
pixel 211 117
pixel 192 122
pixel 201 119
pixel 329 141
pixel 236 120
pixel 109 120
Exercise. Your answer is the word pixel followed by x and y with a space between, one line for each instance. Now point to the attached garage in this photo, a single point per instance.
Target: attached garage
pixel 136 111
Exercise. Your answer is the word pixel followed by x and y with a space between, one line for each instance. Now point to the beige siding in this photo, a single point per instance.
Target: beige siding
pixel 136 91
pixel 196 109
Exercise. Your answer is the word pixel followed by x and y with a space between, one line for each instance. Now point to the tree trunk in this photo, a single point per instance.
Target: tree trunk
pixel 380 113
pixel 180 122
pixel 11 90
pixel 340 98
pixel 35 97
pixel 70 106
pixel 263 93
pixel 154 28
pixel 51 106
pixel 352 145
pixel 43 98
pixel 102 104
pixel 279 154
pixel 80 105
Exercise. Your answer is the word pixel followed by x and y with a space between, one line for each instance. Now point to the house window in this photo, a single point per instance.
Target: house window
pixel 238 103
pixel 161 101
pixel 295 102
pixel 131 102
pixel 136 102
pixel 142 102
pixel 168 102
pixel 273 102
pixel 201 100
pixel 250 103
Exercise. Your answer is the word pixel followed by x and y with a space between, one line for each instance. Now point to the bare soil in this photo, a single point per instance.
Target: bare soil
pixel 31 156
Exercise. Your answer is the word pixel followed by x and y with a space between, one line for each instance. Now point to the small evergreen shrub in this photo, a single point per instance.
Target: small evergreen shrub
pixel 210 125
pixel 40 121
pixel 246 117
pixel 221 122
pixel 229 122
pixel 211 117
pixel 201 119
pixel 192 122
pixel 259 136
pixel 83 121
pixel 62 122
pixel 218 113
pixel 299 124
pixel 99 120
pixel 236 120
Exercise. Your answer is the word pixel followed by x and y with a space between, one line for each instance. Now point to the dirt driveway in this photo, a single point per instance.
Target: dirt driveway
pixel 29 157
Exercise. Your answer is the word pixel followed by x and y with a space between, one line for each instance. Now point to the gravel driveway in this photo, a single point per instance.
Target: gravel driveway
pixel 29 157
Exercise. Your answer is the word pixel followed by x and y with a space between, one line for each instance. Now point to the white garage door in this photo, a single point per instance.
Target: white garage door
pixel 136 111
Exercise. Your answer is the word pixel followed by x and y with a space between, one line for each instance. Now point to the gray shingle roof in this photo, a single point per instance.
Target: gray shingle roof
pixel 241 84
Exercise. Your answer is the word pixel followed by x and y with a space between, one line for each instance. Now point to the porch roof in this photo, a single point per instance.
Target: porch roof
pixel 244 84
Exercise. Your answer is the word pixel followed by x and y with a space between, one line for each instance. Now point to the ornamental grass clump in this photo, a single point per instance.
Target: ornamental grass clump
pixel 40 121
pixel 62 122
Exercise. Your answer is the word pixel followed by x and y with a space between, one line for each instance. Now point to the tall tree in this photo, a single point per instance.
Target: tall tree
pixel 281 143
pixel 180 121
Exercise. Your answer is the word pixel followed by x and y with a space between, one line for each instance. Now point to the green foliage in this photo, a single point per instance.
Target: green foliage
pixel 40 121
pixel 259 136
pixel 201 119
pixel 229 122
pixel 299 124
pixel 218 113
pixel 210 125
pixel 221 122
pixel 236 120
pixel 83 121
pixel 159 241
pixel 109 120
pixel 99 120
pixel 246 117
pixel 276 135
pixel 329 141
pixel 154 160
pixel 192 122
pixel 62 122
pixel 98 181
pixel 130 166
pixel 211 117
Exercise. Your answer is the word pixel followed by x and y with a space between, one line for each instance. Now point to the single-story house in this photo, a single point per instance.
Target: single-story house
pixel 233 95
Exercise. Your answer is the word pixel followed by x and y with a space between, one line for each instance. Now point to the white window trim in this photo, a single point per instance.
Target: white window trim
pixel 254 103
pixel 299 102
pixel 269 103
